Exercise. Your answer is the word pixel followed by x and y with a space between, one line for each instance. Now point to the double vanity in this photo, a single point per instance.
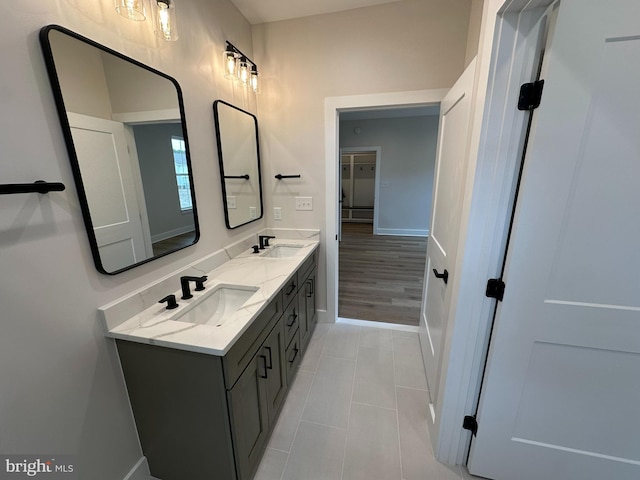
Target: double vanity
pixel 207 379
pixel 207 353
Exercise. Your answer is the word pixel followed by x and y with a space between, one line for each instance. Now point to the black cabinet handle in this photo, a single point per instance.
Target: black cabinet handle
pixel 444 275
pixel 264 359
pixel 270 364
pixel 294 316
pixel 292 287
pixel 295 354
pixel 310 288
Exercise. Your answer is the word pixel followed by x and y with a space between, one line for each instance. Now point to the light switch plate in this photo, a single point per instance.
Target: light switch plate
pixel 231 201
pixel 253 212
pixel 277 213
pixel 304 203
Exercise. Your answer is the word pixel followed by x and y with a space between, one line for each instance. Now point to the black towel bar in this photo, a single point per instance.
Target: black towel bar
pixel 246 177
pixel 280 177
pixel 40 186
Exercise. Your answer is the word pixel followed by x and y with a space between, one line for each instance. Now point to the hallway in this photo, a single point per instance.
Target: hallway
pixel 381 276
pixel 357 410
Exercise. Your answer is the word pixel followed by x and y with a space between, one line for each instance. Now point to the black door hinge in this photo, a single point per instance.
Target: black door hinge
pixel 495 288
pixel 470 423
pixel 530 95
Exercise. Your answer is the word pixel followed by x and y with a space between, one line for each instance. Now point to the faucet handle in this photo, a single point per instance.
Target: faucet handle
pixel 256 249
pixel 266 240
pixel 200 283
pixel 171 302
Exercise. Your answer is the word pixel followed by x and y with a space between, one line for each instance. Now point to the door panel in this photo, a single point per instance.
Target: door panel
pixel 451 169
pixel 111 190
pixel 561 392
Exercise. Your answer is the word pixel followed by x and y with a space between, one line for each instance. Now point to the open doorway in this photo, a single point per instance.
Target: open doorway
pixel 335 107
pixel 385 193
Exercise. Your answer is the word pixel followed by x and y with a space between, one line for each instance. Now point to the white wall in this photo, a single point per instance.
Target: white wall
pixel 61 387
pixel 400 46
pixel 407 164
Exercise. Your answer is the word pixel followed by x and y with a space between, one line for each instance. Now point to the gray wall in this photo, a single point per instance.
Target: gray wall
pixel 159 178
pixel 407 163
pixel 61 386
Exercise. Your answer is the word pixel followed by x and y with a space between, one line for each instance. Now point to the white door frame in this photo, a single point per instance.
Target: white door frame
pixel 332 108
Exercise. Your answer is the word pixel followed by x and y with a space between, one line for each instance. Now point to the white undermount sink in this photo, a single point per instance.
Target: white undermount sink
pixel 282 251
pixel 217 306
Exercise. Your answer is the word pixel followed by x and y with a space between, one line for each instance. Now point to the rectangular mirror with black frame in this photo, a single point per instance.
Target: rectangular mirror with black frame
pixel 125 131
pixel 239 156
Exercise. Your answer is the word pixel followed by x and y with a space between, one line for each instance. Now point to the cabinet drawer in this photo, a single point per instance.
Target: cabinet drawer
pixel 291 319
pixel 292 356
pixel 289 290
pixel 237 359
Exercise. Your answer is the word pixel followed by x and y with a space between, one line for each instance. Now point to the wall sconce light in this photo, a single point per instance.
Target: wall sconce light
pixel 237 66
pixel 131 9
pixel 166 26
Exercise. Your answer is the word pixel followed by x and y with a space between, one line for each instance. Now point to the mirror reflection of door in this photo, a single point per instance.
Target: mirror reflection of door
pixel 128 137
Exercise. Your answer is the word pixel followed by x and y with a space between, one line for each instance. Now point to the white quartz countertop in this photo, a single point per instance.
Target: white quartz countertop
pixel 156 325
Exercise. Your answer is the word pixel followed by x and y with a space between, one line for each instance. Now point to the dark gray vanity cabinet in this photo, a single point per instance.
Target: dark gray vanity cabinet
pixel 206 417
pixel 307 299
pixel 255 401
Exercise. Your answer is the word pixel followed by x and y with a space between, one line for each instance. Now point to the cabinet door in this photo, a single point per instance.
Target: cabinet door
pixel 308 296
pixel 249 416
pixel 276 381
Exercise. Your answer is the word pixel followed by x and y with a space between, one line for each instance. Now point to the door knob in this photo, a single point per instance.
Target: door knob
pixel 444 275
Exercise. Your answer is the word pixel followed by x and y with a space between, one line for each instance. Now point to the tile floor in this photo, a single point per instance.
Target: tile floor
pixel 357 410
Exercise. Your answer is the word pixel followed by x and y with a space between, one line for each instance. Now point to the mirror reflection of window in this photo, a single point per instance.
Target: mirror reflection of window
pixel 182 173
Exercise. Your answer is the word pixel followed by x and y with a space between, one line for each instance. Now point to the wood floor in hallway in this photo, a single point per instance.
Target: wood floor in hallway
pixel 381 276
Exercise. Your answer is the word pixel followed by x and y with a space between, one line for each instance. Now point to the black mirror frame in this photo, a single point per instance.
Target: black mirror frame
pixel 73 157
pixel 221 163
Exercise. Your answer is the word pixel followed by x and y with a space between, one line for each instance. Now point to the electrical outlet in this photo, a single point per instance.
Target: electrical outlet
pixel 277 213
pixel 231 202
pixel 304 203
pixel 253 212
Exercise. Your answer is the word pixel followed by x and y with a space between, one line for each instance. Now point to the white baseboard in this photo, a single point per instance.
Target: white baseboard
pixel 383 325
pixel 404 232
pixel 140 471
pixel 323 317
pixel 171 233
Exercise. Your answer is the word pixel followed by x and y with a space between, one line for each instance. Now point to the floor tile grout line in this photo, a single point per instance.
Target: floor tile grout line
pixel 374 406
pixel 395 391
pixel 302 412
pixel 353 386
pixel 413 388
pixel 322 424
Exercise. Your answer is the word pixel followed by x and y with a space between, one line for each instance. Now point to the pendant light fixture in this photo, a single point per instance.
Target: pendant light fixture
pixel 237 66
pixel 166 26
pixel 132 9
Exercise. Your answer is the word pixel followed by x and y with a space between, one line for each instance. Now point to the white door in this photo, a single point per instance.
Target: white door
pixel 111 189
pixel 450 175
pixel 562 389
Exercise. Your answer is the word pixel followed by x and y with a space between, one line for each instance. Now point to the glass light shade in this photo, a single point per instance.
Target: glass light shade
pixel 166 25
pixel 132 9
pixel 230 65
pixel 243 71
pixel 254 80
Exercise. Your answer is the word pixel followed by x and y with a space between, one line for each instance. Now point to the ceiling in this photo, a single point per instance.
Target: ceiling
pixel 263 11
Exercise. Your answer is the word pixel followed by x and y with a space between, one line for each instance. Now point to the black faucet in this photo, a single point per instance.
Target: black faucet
pixel 171 302
pixel 264 240
pixel 184 283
